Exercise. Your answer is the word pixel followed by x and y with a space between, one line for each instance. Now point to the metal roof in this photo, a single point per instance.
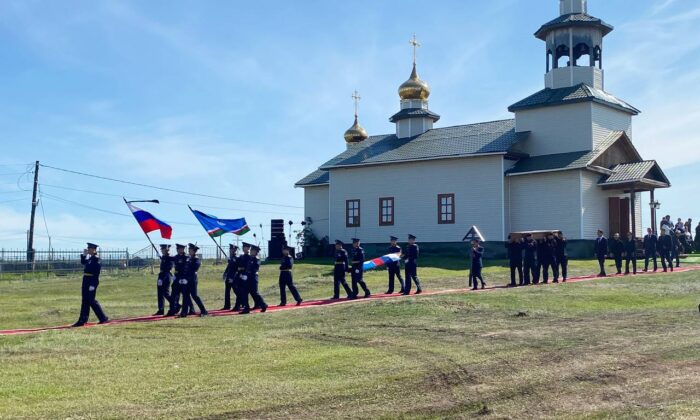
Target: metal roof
pixel 317 177
pixel 569 95
pixel 630 171
pixel 414 113
pixel 457 141
pixel 573 19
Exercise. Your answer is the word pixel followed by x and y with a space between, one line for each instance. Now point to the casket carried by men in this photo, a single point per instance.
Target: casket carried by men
pixel 536 234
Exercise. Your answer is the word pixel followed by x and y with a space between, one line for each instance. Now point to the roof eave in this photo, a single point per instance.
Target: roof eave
pixel 461 156
pixel 631 110
pixel 547 28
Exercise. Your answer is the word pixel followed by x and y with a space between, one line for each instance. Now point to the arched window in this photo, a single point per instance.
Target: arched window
pixel 562 57
pixel 549 60
pixel 582 55
pixel 597 57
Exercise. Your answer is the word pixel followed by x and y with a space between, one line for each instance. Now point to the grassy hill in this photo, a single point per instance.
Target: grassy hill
pixel 623 347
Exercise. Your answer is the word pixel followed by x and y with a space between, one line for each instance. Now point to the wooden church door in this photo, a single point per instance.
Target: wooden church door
pixel 619 209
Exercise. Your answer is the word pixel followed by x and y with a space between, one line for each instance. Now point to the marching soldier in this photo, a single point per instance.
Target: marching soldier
pixel 230 276
pixel 411 266
pixel 477 252
pixel 357 269
pixel 530 263
pixel 650 244
pixel 341 267
pixel 286 278
pixel 165 277
pixel 630 254
pixel 394 268
pixel 665 250
pixel 241 286
pixel 601 252
pixel 180 264
pixel 190 284
pixel 251 279
pixel 515 260
pixel 91 279
pixel 562 257
pixel 545 256
pixel 617 248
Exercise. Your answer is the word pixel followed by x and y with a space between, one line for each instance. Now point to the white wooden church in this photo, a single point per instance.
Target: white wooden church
pixel 565 161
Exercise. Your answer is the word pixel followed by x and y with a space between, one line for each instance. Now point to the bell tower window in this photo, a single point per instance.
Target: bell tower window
pixel 582 55
pixel 562 57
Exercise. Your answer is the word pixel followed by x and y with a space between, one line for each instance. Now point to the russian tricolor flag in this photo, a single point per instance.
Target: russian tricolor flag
pixel 149 223
pixel 380 261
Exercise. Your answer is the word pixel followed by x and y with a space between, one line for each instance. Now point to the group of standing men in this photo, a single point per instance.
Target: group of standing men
pixel 532 259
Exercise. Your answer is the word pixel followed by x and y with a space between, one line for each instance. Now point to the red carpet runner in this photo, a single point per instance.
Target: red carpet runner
pixel 328 302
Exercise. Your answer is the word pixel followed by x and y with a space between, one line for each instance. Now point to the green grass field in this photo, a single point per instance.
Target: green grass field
pixel 616 348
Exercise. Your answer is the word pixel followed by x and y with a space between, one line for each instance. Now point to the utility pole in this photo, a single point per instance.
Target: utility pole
pixel 30 240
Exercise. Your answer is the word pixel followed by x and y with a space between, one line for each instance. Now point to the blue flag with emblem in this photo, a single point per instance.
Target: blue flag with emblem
pixel 216 227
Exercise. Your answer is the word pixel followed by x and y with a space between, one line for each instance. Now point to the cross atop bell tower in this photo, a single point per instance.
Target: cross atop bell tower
pixel 567 7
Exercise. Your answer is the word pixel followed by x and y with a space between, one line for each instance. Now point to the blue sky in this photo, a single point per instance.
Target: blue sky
pixel 241 99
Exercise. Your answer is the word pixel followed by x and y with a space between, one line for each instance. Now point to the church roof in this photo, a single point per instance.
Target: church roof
pixel 637 173
pixel 414 113
pixel 570 95
pixel 448 142
pixel 573 19
pixel 317 177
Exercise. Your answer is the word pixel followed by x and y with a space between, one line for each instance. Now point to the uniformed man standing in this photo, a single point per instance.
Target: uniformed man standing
pixel 180 263
pixel 251 279
pixel 562 256
pixel 241 287
pixel 601 252
pixel 477 253
pixel 411 266
pixel 530 263
pixel 676 249
pixel 165 277
pixel 630 254
pixel 230 276
pixel 665 250
pixel 515 260
pixel 190 282
pixel 91 279
pixel 545 256
pixel 394 268
pixel 286 277
pixel 357 269
pixel 650 244
pixel 339 270
pixel 617 248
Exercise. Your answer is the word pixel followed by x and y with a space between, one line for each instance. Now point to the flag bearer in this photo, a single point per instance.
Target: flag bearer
pixel 477 253
pixel 165 277
pixel 251 279
pixel 286 277
pixel 630 254
pixel 394 268
pixel 339 270
pixel 411 267
pixel 230 276
pixel 190 284
pixel 91 279
pixel 357 271
pixel 180 263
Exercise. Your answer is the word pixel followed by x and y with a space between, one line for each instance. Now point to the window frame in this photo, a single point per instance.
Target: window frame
pixel 347 213
pixel 440 213
pixel 391 216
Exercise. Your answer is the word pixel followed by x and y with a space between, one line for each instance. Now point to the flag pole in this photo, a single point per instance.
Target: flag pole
pixel 147 237
pixel 212 238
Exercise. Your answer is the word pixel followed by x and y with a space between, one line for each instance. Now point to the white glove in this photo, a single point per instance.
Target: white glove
pixel 229 281
pixel 91 288
pixel 160 282
pixel 357 271
pixel 244 277
pixel 183 281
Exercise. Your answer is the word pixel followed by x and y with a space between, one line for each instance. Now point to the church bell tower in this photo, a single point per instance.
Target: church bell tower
pixel 574 47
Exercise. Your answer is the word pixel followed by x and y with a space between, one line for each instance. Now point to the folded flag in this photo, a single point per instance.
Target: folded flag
pixel 217 227
pixel 380 261
pixel 149 223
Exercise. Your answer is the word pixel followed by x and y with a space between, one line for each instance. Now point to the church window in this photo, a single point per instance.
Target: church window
pixel 582 55
pixel 386 211
pixel 352 213
pixel 446 209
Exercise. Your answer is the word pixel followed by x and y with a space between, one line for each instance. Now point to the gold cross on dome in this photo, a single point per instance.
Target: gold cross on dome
pixel 356 98
pixel 416 45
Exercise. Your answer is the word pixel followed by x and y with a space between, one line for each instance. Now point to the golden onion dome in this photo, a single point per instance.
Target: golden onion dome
pixel 356 133
pixel 414 87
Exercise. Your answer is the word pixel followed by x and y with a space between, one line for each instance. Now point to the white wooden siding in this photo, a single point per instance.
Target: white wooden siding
pixel 556 129
pixel 545 201
pixel 476 182
pixel 596 208
pixel 316 207
pixel 606 119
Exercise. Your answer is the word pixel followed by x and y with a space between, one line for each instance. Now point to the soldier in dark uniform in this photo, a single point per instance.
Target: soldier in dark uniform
pixel 630 254
pixel 617 248
pixel 477 253
pixel 411 267
pixel 650 243
pixel 530 263
pixel 251 279
pixel 286 278
pixel 339 270
pixel 190 283
pixel 676 249
pixel 665 247
pixel 545 256
pixel 357 269
pixel 180 262
pixel 515 260
pixel 562 256
pixel 697 236
pixel 165 277
pixel 229 276
pixel 240 287
pixel 601 252
pixel 394 268
pixel 91 279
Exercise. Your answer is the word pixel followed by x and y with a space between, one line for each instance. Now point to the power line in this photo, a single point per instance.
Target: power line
pixel 166 189
pixel 43 214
